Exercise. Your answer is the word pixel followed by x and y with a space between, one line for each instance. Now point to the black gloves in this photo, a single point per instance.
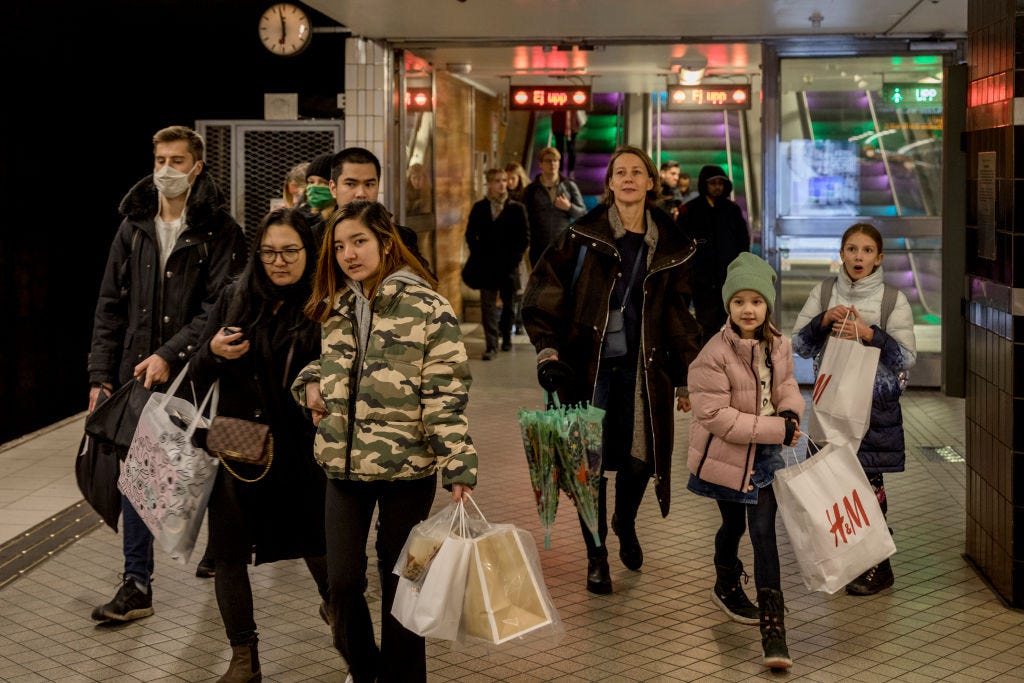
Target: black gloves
pixel 553 375
pixel 792 420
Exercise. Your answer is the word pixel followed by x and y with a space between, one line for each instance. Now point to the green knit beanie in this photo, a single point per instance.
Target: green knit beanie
pixel 748 271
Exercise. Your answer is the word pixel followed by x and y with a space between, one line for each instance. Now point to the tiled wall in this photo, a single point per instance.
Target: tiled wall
pixel 994 408
pixel 367 85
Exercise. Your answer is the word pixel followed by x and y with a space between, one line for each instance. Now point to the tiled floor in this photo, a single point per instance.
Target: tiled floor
pixel 940 621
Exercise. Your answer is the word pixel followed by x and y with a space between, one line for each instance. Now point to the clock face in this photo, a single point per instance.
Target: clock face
pixel 285 29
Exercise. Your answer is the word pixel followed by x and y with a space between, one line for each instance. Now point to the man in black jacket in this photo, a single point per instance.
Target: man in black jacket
pixel 355 175
pixel 552 203
pixel 497 235
pixel 716 224
pixel 176 248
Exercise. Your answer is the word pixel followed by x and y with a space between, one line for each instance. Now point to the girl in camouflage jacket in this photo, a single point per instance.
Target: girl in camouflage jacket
pixel 388 396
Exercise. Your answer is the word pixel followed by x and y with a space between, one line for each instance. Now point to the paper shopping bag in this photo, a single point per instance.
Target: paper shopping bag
pixel 841 400
pixel 435 608
pixel 505 595
pixel 832 518
pixel 167 479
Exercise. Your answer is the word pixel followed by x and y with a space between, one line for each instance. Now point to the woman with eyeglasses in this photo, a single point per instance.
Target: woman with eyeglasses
pixel 388 394
pixel 257 340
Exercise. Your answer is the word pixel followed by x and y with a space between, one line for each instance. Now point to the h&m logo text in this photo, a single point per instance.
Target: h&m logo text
pixel 856 518
pixel 820 385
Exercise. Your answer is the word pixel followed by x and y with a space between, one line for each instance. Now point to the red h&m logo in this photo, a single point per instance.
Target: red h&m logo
pixel 819 387
pixel 856 518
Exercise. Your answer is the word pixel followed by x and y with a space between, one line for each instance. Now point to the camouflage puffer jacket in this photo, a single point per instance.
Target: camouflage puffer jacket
pixel 401 414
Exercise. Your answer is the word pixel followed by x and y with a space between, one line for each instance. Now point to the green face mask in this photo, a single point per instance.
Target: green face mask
pixel 319 196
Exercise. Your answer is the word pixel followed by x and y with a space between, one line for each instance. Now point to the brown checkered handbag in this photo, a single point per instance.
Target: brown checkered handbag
pixel 241 441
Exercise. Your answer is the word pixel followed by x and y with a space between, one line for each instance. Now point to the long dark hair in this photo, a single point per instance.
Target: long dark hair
pixel 255 295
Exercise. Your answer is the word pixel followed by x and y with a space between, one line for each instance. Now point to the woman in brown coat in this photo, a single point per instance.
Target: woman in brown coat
pixel 606 309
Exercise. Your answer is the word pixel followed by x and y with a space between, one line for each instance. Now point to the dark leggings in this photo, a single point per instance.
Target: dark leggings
pixel 761 518
pixel 234 595
pixel 402 657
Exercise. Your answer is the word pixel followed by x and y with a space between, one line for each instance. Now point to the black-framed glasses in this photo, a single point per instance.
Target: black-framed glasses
pixel 268 256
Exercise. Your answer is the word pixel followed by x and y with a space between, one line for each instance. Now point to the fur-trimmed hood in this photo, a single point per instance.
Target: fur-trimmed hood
pixel 204 201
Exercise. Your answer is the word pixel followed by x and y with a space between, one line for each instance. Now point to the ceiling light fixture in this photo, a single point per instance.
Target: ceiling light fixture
pixel 816 18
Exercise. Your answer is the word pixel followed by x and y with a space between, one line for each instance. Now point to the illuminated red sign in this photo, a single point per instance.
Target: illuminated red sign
pixel 548 98
pixel 419 99
pixel 708 97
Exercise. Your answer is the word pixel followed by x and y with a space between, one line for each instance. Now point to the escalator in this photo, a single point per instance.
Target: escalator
pixel 596 140
pixel 698 138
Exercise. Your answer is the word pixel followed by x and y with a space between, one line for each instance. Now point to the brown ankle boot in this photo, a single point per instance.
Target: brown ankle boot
pixel 244 666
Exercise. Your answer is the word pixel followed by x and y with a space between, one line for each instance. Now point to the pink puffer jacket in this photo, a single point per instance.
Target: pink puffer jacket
pixel 725 393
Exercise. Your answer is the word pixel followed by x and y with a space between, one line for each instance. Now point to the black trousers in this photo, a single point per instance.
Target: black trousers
pixel 401 505
pixel 761 518
pixel 493 324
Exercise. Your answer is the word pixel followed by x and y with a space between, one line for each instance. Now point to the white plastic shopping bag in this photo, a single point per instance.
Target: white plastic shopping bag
pixel 832 517
pixel 506 597
pixel 428 600
pixel 166 478
pixel 841 400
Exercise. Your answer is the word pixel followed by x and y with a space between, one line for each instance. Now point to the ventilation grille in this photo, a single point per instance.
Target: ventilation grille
pixel 249 160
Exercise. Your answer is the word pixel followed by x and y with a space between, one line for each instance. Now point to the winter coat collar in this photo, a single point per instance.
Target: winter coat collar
pixel 602 224
pixel 849 292
pixel 204 201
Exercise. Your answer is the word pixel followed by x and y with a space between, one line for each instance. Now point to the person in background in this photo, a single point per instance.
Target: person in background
pixel 497 235
pixel 688 193
pixel 518 180
pixel 717 225
pixel 257 339
pixel 320 200
pixel 175 250
pixel 388 396
pixel 670 197
pixel 620 272
pixel 418 195
pixel 860 292
pixel 552 202
pixel 294 189
pixel 355 176
pixel 565 126
pixel 746 406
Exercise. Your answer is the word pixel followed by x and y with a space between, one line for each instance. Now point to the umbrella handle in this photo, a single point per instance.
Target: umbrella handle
pixel 552 399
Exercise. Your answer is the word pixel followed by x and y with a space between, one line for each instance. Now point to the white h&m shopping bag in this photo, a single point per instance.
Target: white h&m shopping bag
pixel 841 400
pixel 832 518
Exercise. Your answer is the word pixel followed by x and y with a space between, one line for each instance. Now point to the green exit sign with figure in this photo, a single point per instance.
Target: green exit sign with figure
pixel 912 95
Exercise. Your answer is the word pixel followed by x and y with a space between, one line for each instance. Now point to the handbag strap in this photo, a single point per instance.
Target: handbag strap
pixel 236 475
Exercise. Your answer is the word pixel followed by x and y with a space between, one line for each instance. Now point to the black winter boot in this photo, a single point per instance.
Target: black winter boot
pixel 728 594
pixel 773 629
pixel 876 579
pixel 630 485
pixel 245 664
pixel 599 578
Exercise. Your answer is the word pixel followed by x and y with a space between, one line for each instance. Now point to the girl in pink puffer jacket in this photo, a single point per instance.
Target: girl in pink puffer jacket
pixel 746 405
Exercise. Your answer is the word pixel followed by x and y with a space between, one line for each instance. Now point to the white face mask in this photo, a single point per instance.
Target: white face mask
pixel 171 182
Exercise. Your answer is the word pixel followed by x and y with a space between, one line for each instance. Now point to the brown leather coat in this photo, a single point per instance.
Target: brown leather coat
pixel 570 318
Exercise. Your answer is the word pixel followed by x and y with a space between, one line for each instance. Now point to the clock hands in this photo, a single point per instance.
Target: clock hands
pixel 284 26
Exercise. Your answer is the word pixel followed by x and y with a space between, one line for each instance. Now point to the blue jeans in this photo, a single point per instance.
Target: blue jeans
pixel 138 545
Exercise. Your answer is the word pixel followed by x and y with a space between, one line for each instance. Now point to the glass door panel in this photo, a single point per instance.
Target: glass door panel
pixel 861 141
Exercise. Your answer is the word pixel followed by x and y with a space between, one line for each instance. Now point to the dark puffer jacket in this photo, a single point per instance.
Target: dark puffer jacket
pixel 140 310
pixel 574 325
pixel 721 234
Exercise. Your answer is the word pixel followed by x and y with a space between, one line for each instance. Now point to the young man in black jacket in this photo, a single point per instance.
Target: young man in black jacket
pixel 174 251
pixel 497 235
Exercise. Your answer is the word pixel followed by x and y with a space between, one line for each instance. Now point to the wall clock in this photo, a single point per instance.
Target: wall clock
pixel 285 29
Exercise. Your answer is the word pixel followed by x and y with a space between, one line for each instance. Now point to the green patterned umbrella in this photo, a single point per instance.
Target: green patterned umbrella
pixel 563 451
